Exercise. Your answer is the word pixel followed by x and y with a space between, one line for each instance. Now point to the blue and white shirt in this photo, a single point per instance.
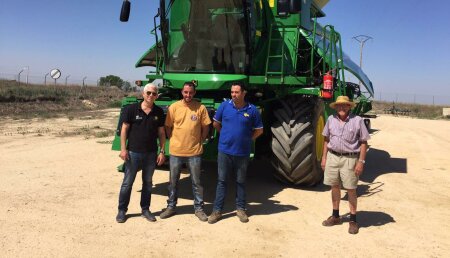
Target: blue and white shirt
pixel 237 127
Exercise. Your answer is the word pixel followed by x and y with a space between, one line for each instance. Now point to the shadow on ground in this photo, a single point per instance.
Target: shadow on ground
pixel 371 219
pixel 261 188
pixel 378 162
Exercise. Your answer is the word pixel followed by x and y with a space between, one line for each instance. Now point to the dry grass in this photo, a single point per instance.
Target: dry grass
pixel 52 101
pixel 415 110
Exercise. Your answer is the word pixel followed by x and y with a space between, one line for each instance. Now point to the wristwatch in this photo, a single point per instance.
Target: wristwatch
pixel 162 151
pixel 362 161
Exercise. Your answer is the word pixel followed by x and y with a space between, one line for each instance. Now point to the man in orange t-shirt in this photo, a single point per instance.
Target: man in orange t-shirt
pixel 187 125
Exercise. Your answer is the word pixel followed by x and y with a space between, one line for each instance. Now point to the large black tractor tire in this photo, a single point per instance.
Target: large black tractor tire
pixel 297 140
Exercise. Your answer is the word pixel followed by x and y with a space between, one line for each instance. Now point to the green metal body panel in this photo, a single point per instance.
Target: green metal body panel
pixel 204 81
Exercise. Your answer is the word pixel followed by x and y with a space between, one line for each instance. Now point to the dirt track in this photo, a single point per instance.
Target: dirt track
pixel 58 197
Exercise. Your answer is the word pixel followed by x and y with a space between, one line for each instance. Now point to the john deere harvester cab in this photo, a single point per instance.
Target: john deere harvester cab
pixel 292 67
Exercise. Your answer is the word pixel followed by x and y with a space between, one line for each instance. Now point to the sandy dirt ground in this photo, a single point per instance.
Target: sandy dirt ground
pixel 59 192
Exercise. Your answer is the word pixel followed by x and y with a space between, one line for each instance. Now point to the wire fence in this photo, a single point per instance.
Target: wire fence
pixel 47 80
pixel 412 98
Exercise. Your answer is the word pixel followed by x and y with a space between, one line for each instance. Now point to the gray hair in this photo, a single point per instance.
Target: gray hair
pixel 150 85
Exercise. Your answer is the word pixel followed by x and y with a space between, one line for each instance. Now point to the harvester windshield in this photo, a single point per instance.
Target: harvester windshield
pixel 206 36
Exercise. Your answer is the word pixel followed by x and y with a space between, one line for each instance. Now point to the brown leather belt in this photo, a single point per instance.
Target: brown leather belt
pixel 344 154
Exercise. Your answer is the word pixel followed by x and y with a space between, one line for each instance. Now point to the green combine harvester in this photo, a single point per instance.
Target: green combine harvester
pixel 293 68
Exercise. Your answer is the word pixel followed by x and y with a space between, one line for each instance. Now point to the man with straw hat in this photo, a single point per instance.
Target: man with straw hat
pixel 343 159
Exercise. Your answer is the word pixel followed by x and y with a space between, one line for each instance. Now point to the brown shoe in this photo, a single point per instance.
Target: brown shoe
pixel 331 221
pixel 242 215
pixel 168 212
pixel 353 227
pixel 214 217
pixel 201 215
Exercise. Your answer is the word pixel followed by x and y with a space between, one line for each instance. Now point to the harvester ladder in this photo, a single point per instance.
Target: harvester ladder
pixel 271 55
pixel 335 56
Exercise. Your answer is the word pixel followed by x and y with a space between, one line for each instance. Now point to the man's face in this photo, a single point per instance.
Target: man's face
pixel 150 94
pixel 343 109
pixel 237 94
pixel 188 93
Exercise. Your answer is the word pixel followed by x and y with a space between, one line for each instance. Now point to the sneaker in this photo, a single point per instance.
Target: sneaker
pixel 201 215
pixel 169 212
pixel 121 218
pixel 353 227
pixel 331 221
pixel 242 215
pixel 146 214
pixel 214 217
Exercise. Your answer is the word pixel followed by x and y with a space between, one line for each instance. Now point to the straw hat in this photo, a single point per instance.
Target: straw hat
pixel 342 100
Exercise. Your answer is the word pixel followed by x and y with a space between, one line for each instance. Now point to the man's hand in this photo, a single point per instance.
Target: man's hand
pixel 124 155
pixel 323 163
pixel 160 159
pixel 359 167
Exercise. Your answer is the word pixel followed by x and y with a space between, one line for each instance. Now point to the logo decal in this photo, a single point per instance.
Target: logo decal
pixel 246 115
pixel 156 118
pixel 138 117
pixel 194 117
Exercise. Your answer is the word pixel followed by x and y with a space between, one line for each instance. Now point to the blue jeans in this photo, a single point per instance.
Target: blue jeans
pixel 137 161
pixel 228 164
pixel 194 164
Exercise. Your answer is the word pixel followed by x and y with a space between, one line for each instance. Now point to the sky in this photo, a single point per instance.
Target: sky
pixel 409 53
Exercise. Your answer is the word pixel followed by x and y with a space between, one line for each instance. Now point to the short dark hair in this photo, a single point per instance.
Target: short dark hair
pixel 189 84
pixel 240 84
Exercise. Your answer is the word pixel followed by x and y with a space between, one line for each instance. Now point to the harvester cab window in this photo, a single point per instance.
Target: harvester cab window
pixel 211 40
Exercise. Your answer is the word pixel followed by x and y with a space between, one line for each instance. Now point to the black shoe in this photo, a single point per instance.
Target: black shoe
pixel 121 218
pixel 146 214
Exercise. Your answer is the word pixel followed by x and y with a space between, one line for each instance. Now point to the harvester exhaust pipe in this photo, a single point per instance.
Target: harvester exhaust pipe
pixel 125 12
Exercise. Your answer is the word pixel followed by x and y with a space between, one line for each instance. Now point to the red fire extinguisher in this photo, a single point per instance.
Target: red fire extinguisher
pixel 327 90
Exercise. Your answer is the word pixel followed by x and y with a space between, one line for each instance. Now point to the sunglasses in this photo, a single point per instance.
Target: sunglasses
pixel 151 93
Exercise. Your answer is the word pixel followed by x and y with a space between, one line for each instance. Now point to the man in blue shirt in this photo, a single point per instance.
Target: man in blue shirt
pixel 239 123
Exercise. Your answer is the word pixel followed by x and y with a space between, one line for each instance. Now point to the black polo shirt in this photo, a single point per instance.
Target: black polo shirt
pixel 143 130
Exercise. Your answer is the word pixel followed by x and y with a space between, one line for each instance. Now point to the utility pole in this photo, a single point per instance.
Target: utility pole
pixel 362 39
pixel 66 78
pixel 18 75
pixel 45 78
pixel 28 72
pixel 84 80
pixel 83 86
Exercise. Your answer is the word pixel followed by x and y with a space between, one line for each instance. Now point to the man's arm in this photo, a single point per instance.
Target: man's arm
pixel 217 126
pixel 162 142
pixel 123 141
pixel 256 133
pixel 169 122
pixel 324 153
pixel 205 131
pixel 359 167
pixel 168 131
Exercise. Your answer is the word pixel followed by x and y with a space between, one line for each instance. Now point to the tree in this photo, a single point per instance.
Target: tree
pixel 126 86
pixel 111 80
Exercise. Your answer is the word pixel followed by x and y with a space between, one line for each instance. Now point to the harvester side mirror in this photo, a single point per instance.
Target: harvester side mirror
pixel 125 12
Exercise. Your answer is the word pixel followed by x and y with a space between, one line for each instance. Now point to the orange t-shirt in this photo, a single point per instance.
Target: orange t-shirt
pixel 186 121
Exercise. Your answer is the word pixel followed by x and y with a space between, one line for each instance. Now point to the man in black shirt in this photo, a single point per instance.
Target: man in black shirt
pixel 142 124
